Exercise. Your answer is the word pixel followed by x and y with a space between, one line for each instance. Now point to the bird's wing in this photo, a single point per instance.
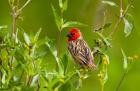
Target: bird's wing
pixel 81 52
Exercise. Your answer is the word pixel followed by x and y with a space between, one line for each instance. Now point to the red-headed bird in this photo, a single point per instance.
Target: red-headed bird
pixel 79 49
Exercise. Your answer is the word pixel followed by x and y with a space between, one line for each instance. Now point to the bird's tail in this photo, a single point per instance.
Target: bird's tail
pixel 91 65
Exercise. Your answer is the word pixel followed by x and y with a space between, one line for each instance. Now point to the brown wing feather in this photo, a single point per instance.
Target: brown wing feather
pixel 81 53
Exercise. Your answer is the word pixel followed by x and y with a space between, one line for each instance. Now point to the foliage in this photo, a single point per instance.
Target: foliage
pixel 23 64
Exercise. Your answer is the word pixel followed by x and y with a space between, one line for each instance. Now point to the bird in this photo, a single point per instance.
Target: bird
pixel 79 49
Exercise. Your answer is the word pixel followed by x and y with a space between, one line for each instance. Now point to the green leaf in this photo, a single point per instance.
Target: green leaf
pixel 79 83
pixel 73 24
pixel 37 35
pixel 16 36
pixel 104 39
pixel 60 4
pixel 19 56
pixel 128 27
pixel 34 80
pixel 53 50
pixel 16 83
pixel 125 64
pixel 32 54
pixel 28 88
pixel 65 5
pixel 111 3
pixel 27 39
pixel 4 26
pixel 40 54
pixel 105 77
pixel 3 80
pixel 66 87
pixel 58 19
pixel 65 62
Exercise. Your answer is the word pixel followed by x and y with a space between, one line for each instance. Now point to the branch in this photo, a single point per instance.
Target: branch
pixel 27 2
pixel 121 8
pixel 122 79
pixel 122 15
pixel 15 14
pixel 14 19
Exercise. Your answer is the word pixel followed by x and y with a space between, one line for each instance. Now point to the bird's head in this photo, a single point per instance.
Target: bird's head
pixel 74 34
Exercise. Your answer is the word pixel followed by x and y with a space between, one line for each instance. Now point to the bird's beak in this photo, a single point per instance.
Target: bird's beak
pixel 69 35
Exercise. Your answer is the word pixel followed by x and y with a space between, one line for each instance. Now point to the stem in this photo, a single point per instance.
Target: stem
pixel 27 2
pixel 13 26
pixel 121 8
pixel 38 85
pixel 15 13
pixel 59 43
pixel 120 18
pixel 102 86
pixel 59 36
pixel 122 79
pixel 29 80
pixel 14 19
pixel 122 15
pixel 115 27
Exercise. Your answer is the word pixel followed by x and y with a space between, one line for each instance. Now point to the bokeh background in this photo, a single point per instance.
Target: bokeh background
pixel 39 14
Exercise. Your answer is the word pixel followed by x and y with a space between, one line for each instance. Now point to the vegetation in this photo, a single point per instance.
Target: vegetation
pixel 23 56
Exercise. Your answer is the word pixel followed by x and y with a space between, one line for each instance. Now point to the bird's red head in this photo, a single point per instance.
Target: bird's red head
pixel 73 34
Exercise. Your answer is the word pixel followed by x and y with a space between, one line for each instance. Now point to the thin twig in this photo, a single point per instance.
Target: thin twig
pixel 14 19
pixel 27 2
pixel 121 8
pixel 29 80
pixel 115 27
pixel 122 15
pixel 59 43
pixel 15 14
pixel 38 85
pixel 122 79
pixel 102 86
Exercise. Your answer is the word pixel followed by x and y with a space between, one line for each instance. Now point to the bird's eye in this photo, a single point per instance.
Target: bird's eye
pixel 72 34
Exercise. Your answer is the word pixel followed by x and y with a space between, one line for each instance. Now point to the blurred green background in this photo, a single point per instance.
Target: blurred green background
pixel 39 14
